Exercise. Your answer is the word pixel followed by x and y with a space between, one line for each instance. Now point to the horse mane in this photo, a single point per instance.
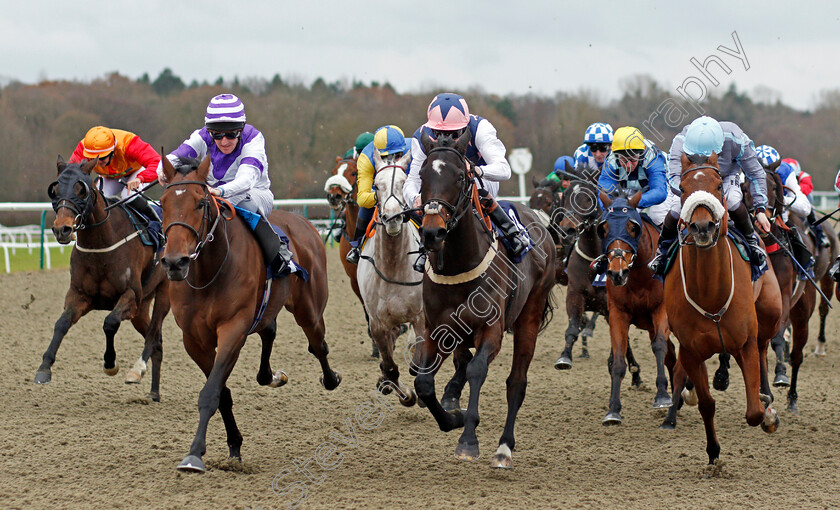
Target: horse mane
pixel 780 193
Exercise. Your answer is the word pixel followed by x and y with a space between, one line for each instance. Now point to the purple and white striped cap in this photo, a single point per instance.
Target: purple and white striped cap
pixel 225 108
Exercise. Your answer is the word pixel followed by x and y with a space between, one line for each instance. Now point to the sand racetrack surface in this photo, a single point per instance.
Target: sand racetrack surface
pixel 89 440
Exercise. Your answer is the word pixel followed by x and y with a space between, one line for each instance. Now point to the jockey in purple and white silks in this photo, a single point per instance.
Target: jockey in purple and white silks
pixel 449 116
pixel 736 153
pixel 238 169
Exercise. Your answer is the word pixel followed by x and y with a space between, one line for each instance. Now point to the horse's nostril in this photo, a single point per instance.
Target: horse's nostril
pixel 440 234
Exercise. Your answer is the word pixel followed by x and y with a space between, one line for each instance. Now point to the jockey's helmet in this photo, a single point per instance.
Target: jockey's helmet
pixel 362 141
pixel 560 164
pixel 629 140
pixel 598 132
pixel 767 156
pixel 99 142
pixel 704 136
pixel 448 112
pixel 389 140
pixel 225 112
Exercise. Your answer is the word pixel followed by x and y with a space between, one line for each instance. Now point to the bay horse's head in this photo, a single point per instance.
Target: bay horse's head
pixel 190 214
pixel 775 193
pixel 73 197
pixel 579 209
pixel 388 180
pixel 544 198
pixel 341 185
pixel 621 230
pixel 703 204
pixel 445 189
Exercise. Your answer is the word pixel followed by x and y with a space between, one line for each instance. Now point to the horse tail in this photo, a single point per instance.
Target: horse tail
pixel 548 312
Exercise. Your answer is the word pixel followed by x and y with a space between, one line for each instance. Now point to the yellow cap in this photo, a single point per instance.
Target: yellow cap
pixel 628 138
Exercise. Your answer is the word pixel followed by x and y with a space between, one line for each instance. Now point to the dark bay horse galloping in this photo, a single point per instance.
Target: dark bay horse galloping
pixel 714 307
pixel 110 269
pixel 472 294
pixel 218 287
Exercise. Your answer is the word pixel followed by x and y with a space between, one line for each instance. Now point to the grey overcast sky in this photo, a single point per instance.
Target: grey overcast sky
pixel 500 46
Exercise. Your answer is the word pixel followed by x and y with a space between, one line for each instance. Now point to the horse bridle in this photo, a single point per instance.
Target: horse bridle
pixel 395 196
pixel 209 236
pixel 682 237
pixel 457 211
pixel 78 207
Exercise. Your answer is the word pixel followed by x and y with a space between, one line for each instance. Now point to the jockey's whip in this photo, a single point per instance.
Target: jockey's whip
pixel 802 269
pixel 827 216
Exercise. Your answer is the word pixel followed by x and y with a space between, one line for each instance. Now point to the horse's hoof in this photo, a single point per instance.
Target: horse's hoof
pixel 136 373
pixel 154 396
pixel 502 458
pixel 563 363
pixel 766 400
pixel 720 382
pixel 42 377
pixel 586 333
pixel 191 464
pixel 279 378
pixel 584 354
pixel 612 418
pixel 667 425
pixel 771 421
pixel 331 387
pixel 421 404
pixel 457 418
pixel 662 402
pixel 450 404
pixel 466 451
pixel 410 399
pixel 793 408
pixel 689 397
pixel 112 371
pixel 781 381
pixel 819 350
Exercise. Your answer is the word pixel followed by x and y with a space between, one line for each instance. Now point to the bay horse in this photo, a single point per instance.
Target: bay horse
pixel 218 281
pixel 634 296
pixel 472 294
pixel 713 306
pixel 110 269
pixel 390 287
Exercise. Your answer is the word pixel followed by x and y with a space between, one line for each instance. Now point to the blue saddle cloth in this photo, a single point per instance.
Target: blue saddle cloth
pixel 151 231
pixel 513 214
pixel 251 220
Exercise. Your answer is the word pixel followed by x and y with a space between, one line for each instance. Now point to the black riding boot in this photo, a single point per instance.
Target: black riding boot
pixel 275 252
pixel 800 249
pixel 355 253
pixel 666 239
pixel 139 204
pixel 741 218
pixel 518 242
pixel 822 239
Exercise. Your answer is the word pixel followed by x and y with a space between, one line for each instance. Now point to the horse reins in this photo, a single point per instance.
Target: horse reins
pixel 205 219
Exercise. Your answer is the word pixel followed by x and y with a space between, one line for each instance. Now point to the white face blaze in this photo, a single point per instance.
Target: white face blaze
pixel 437 166
pixel 389 184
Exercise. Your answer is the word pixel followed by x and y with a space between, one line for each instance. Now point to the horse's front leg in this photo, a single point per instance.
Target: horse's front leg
pixel 74 308
pixel 586 333
pixel 126 308
pixel 680 377
pixel 721 379
pixel 427 359
pixel 266 376
pixel 659 345
pixel 230 342
pixel 799 319
pixel 758 412
pixel 696 370
pixel 452 392
pixel 778 344
pixel 467 448
pixel 619 329
pixel 575 305
pixel 389 378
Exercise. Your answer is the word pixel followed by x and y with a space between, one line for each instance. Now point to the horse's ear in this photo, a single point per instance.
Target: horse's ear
pixel 534 181
pixel 634 201
pixel 602 229
pixel 554 186
pixel 89 165
pixel 337 159
pixel 204 168
pixel 605 199
pixel 426 141
pixel 463 141
pixel 569 168
pixel 713 159
pixel 684 161
pixel 405 159
pixel 377 160
pixel 168 168
pixel 60 164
